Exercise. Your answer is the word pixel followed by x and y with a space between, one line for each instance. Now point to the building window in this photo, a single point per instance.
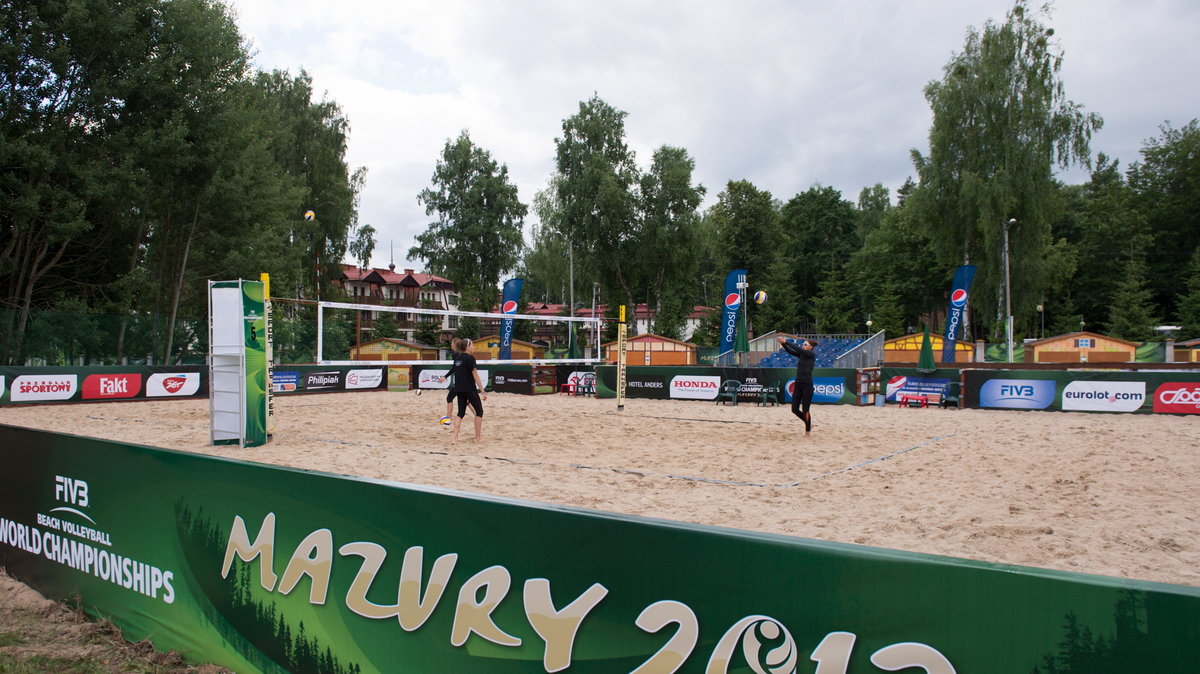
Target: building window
pixel 1085 343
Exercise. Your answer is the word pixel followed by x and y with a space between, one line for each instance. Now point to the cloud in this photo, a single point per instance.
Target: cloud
pixel 784 94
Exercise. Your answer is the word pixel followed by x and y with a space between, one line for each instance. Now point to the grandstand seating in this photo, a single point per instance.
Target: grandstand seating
pixel 827 352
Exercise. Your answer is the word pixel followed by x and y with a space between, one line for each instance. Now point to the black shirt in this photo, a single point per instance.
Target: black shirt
pixel 804 366
pixel 464 381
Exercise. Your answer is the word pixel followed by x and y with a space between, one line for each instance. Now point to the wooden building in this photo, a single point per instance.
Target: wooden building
pixel 907 349
pixel 1080 347
pixel 389 348
pixel 488 348
pixel 650 349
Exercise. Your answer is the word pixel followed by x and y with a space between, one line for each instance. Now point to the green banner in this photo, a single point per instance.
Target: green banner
pixel 267 569
pixel 258 388
pixel 1084 391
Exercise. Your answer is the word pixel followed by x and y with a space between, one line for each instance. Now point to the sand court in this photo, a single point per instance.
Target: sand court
pixel 1095 493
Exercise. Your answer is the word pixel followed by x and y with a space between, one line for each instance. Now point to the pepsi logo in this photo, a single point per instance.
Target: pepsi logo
pixel 958 298
pixel 510 307
pixel 732 300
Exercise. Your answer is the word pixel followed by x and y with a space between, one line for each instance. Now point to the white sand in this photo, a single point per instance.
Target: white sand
pixel 1096 493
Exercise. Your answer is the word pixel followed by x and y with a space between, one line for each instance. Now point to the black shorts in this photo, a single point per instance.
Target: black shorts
pixel 472 397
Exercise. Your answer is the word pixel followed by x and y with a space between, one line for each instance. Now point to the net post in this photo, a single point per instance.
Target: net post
pixel 621 360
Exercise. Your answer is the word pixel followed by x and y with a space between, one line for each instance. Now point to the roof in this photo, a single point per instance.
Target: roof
pixel 650 337
pixel 401 342
pixel 489 338
pixel 392 277
pixel 1085 333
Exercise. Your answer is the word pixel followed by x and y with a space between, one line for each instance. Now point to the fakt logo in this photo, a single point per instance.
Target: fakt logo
pixel 733 300
pixel 510 307
pixel 958 298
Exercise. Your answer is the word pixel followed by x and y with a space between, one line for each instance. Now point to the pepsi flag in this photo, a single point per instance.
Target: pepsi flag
pixel 731 305
pixel 957 309
pixel 508 305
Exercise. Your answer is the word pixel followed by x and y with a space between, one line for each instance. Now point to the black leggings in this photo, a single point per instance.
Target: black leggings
pixel 802 396
pixel 471 397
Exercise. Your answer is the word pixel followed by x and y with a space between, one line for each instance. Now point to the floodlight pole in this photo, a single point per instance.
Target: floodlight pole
pixel 1008 319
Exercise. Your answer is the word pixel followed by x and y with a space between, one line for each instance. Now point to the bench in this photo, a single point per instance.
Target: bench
pixel 919 399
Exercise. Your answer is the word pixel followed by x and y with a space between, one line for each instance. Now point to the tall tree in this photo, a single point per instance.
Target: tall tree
pixel 1107 232
pixel 1130 316
pixel 552 260
pixel 820 231
pixel 476 238
pixel 747 225
pixel 1166 186
pixel 1001 124
pixel 597 193
pixel 1188 311
pixel 670 229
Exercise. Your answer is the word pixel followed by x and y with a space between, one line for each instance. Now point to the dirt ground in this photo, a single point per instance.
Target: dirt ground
pixel 1110 494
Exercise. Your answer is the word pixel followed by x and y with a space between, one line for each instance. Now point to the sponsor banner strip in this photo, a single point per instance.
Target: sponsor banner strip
pixel 224 560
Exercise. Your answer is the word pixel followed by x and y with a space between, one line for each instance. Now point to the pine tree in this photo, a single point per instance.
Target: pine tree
pixel 1130 316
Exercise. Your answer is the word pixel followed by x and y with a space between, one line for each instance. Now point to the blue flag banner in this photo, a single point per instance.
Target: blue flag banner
pixel 508 305
pixel 957 309
pixel 731 304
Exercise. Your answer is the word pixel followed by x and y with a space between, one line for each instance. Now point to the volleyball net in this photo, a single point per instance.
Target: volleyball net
pixel 334 318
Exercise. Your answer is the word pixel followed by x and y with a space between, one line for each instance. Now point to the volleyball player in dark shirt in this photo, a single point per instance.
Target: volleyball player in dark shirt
pixel 467 388
pixel 802 395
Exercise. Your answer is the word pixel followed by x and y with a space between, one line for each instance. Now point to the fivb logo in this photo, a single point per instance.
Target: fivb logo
pixel 74 492
pixel 1025 394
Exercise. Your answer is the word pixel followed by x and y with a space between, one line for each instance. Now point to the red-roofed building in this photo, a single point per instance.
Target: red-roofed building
pixel 400 289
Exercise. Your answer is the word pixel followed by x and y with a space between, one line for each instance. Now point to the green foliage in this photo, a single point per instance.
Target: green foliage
pixel 469 327
pixel 670 228
pixel 476 238
pixel 523 329
pixel 1001 123
pixel 1166 187
pixel 1130 317
pixel 596 193
pixel 819 231
pixel 781 312
pixel 1106 231
pixel 708 333
pixel 1189 303
pixel 886 312
pixel 169 162
pixel 428 328
pixel 385 325
pixel 747 229
pixel 834 308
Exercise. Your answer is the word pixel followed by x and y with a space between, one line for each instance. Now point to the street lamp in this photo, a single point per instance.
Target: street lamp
pixel 1042 310
pixel 1008 325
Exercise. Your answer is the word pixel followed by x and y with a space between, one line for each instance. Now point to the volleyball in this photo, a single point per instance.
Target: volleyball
pixel 446 421
pixel 309 215
pixel 760 297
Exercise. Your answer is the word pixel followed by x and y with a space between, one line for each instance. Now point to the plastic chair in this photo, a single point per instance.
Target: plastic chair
pixel 952 395
pixel 729 392
pixel 586 386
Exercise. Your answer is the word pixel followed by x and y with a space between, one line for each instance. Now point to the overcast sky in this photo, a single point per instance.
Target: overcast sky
pixel 783 93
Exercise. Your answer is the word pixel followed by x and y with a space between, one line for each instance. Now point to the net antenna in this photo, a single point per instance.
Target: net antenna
pixel 592 323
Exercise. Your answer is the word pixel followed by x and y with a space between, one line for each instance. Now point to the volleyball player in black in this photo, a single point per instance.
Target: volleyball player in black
pixel 802 395
pixel 467 388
